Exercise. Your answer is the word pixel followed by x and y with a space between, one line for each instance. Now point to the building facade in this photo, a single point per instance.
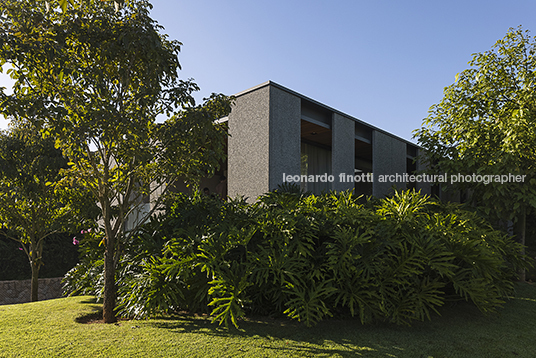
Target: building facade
pixel 278 135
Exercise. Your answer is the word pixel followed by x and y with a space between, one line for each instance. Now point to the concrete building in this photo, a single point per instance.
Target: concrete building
pixel 278 135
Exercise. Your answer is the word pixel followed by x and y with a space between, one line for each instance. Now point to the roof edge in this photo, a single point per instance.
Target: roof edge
pixel 288 90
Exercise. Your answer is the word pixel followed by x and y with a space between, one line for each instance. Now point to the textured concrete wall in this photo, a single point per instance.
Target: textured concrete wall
pixel 264 143
pixel 248 149
pixel 388 157
pixel 342 150
pixel 285 134
pixel 19 291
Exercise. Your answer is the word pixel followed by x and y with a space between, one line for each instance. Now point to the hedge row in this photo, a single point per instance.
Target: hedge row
pixel 309 257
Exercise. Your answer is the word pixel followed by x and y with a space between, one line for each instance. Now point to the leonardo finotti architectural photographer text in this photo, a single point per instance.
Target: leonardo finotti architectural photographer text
pixel 405 178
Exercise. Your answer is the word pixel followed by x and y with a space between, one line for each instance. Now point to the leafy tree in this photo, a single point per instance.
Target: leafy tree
pixel 486 124
pixel 33 204
pixel 98 74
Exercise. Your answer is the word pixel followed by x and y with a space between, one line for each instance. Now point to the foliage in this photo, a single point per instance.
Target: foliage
pixel 59 256
pixel 485 124
pixel 95 76
pixel 87 277
pixel 33 202
pixel 310 257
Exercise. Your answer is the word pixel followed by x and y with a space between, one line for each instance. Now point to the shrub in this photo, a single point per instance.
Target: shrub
pixel 87 277
pixel 310 257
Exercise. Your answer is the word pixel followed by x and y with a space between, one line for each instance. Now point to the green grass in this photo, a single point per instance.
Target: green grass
pixel 49 329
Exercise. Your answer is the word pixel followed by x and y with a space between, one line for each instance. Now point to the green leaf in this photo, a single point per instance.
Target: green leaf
pixel 63 4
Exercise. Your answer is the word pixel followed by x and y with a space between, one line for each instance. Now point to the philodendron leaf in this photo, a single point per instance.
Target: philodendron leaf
pixel 63 5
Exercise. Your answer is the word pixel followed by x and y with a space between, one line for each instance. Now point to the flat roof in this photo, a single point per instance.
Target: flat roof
pixel 283 88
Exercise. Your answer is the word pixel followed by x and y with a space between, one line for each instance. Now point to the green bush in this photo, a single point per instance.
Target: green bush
pixel 87 277
pixel 309 257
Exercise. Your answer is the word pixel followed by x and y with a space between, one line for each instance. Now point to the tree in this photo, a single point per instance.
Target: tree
pixel 486 125
pixel 33 203
pixel 99 74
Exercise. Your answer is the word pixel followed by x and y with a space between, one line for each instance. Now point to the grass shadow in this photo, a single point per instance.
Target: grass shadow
pixel 460 326
pixel 95 314
pixel 345 338
pixel 93 317
pixel 90 300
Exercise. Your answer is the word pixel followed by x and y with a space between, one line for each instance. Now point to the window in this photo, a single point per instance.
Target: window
pixel 315 160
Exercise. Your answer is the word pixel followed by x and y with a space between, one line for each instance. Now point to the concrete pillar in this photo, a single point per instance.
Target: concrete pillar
pixel 264 142
pixel 285 135
pixel 248 145
pixel 342 150
pixel 388 158
pixel 425 188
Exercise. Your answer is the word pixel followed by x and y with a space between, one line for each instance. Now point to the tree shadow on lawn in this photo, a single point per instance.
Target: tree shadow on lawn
pixel 90 300
pixel 95 316
pixel 344 337
pixel 283 337
pixel 461 330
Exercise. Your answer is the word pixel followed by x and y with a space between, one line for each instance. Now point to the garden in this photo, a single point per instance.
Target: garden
pixel 292 275
pixel 306 257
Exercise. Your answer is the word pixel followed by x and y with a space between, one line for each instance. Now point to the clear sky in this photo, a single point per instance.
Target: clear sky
pixel 384 62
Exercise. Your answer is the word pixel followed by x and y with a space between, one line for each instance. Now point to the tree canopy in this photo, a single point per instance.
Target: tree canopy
pixel 34 203
pixel 96 76
pixel 486 124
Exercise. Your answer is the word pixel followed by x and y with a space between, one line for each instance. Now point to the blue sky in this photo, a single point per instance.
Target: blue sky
pixel 384 62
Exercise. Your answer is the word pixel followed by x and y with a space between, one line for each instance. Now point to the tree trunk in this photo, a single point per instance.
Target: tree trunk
pixel 35 264
pixel 34 295
pixel 108 313
pixel 520 231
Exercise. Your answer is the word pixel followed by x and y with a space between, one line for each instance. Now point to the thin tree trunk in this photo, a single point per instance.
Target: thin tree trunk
pixel 35 264
pixel 35 280
pixel 108 313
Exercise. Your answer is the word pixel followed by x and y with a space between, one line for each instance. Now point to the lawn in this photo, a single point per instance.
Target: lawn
pixel 49 329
